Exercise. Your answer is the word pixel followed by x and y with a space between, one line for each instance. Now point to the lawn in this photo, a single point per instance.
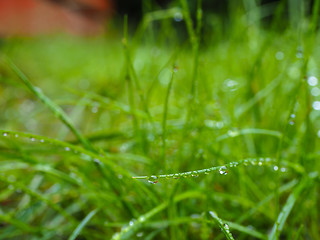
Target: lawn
pixel 193 125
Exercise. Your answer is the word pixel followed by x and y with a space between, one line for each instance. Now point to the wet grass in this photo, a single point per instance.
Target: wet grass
pixel 152 136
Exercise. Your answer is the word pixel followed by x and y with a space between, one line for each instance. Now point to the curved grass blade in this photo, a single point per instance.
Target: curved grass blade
pixel 223 226
pixel 246 230
pixel 220 169
pixel 84 154
pixel 83 223
pixel 283 215
pixel 133 226
pixel 57 110
pixel 249 131
pixel 14 165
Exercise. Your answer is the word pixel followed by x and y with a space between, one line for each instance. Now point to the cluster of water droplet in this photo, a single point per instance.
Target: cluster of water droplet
pixel 292 119
pixel 213 124
pixel 315 91
pixel 222 170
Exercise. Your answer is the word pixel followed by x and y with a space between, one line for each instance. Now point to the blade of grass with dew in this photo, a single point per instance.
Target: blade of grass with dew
pixel 246 131
pixel 109 103
pixel 283 215
pixel 89 156
pixel 57 110
pixel 219 169
pixel 246 230
pixel 133 226
pixel 224 228
pixel 82 224
pixel 15 165
pixel 85 154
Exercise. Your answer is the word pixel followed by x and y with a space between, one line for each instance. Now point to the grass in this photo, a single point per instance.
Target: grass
pixel 152 135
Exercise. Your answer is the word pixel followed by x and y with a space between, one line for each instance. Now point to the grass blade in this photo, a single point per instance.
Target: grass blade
pixel 278 226
pixel 57 110
pixel 83 223
pixel 223 226
pixel 135 225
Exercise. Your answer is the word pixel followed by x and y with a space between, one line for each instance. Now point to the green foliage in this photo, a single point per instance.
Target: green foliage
pixel 154 136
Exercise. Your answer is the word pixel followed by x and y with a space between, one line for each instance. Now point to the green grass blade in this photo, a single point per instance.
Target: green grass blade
pixel 218 169
pixel 246 230
pixel 133 226
pixel 57 110
pixel 283 215
pixel 223 226
pixel 82 224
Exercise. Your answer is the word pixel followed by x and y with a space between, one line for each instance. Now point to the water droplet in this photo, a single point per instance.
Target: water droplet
pixel 245 162
pixel 291 122
pixel 230 85
pixel 153 179
pixel 194 174
pixel 312 81
pixel 318 133
pixel 32 139
pixel 94 109
pixel 233 133
pixel 42 140
pixel 260 163
pixel 315 91
pixel 283 169
pixel 223 170
pixel 140 234
pixel 275 168
pixel 316 105
pixel 86 157
pixel 132 222
pixel 5 134
pixel 220 125
pixel 299 53
pixel 96 161
pixel 178 17
pixel 16 135
pixel 120 176
pixel 209 123
pixel 279 55
pixel 176 176
pixel 226 226
pixel 292 115
pixel 67 148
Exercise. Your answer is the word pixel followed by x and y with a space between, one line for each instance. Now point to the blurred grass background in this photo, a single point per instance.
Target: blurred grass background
pixel 156 103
